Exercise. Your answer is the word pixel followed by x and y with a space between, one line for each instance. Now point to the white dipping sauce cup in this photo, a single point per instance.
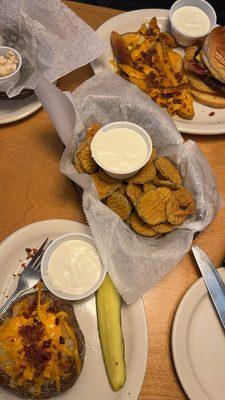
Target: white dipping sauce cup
pixel 45 262
pixel 10 80
pixel 184 39
pixel 138 129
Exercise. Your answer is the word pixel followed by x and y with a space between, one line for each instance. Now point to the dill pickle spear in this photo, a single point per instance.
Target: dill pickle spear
pixel 108 303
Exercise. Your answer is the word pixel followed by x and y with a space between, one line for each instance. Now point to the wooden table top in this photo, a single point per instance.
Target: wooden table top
pixel 33 189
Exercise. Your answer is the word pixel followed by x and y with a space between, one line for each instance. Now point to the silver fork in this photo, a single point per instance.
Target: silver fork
pixel 29 277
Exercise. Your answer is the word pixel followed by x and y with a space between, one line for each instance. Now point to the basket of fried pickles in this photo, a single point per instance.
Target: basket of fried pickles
pixel 152 202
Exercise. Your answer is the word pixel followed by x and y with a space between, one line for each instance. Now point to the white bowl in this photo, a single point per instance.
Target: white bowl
pixel 9 81
pixel 134 127
pixel 45 261
pixel 188 40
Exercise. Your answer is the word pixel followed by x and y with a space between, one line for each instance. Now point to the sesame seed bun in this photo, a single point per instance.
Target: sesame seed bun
pixel 213 53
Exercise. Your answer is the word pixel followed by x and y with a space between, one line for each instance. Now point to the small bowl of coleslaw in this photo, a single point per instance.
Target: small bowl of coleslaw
pixel 10 64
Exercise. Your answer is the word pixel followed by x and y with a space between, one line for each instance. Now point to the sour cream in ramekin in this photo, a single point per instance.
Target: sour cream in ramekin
pixel 71 267
pixel 121 148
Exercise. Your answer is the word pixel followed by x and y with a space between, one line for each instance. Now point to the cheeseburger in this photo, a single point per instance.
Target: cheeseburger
pixel 205 67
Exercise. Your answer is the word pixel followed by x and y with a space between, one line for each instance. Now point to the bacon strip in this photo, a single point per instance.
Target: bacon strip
pixel 194 67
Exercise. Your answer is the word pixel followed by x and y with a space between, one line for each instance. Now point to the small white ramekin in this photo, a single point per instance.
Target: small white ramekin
pixel 10 80
pixel 136 128
pixel 45 261
pixel 188 40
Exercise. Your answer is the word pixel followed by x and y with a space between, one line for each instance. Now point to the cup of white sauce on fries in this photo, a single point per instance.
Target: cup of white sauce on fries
pixel 191 20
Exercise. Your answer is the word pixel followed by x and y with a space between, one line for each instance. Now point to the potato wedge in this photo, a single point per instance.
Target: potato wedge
pixel 132 39
pixel 175 61
pixel 190 53
pixel 153 27
pixel 132 72
pixel 186 110
pixel 120 49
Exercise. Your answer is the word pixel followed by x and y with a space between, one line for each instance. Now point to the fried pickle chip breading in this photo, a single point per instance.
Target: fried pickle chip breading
pixel 134 192
pixel 122 189
pixel 78 165
pixel 86 159
pixel 167 170
pixel 145 174
pixel 148 186
pixel 151 206
pixel 154 154
pixel 140 227
pixel 106 177
pixel 180 205
pixel 164 227
pixel 104 188
pixel 164 183
pixel 91 131
pixel 120 205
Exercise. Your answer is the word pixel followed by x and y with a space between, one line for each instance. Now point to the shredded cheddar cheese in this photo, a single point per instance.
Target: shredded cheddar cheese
pixel 37 330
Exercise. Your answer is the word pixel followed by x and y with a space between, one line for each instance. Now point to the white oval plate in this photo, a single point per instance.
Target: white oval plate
pixel 198 345
pixel 202 123
pixel 14 110
pixel 92 383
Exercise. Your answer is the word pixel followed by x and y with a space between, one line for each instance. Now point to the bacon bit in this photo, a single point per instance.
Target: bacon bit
pixel 28 250
pixel 14 275
pixel 25 315
pixel 61 340
pixel 57 321
pixel 37 355
pixel 211 114
pixel 33 305
pixel 46 344
pixel 194 67
pixel 23 265
pixel 52 309
pixel 32 333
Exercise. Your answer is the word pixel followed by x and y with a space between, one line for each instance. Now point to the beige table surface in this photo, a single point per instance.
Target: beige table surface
pixel 33 189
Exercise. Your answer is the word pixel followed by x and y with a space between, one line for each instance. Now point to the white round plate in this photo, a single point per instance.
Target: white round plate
pixel 14 110
pixel 198 345
pixel 92 383
pixel 202 123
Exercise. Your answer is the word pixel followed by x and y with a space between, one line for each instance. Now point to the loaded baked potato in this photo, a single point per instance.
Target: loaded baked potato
pixel 41 346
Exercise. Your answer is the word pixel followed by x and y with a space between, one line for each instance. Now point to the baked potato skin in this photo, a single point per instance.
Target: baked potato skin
pixel 49 389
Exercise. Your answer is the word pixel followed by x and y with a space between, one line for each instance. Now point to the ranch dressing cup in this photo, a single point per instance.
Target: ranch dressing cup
pixel 71 267
pixel 187 30
pixel 121 149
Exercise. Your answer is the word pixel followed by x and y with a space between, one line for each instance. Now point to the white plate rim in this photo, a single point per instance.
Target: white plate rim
pixel 71 225
pixel 183 369
pixel 183 126
pixel 34 106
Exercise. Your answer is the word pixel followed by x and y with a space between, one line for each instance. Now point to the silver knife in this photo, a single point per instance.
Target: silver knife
pixel 213 281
